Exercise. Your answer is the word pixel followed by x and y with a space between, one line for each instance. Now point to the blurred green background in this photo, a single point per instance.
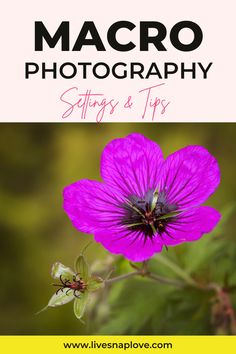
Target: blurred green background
pixel 37 161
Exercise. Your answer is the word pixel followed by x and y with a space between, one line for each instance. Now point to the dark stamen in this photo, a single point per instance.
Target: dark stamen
pixel 149 215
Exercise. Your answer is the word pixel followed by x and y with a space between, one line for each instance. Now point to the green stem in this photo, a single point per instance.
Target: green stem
pixel 145 273
pixel 121 277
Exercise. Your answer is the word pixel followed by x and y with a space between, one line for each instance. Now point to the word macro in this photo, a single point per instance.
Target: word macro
pixel 89 29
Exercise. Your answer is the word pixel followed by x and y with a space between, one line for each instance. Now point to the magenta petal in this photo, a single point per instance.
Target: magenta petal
pixel 130 244
pixel 92 205
pixel 132 164
pixel 189 176
pixel 191 225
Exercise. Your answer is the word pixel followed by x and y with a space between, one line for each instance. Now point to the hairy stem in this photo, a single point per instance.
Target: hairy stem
pixel 121 277
pixel 143 271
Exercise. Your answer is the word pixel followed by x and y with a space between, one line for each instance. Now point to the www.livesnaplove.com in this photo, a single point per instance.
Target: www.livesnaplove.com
pixel 117 345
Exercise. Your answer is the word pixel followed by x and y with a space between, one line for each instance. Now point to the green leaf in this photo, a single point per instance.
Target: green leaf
pixel 201 253
pixel 95 283
pixel 59 269
pixel 227 212
pixel 81 267
pixel 174 268
pixel 80 304
pixel 61 298
pixel 130 312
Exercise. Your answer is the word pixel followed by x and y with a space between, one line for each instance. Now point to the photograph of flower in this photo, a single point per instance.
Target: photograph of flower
pixel 129 226
pixel 145 202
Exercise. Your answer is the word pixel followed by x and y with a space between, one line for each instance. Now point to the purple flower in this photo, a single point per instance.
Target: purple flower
pixel 145 202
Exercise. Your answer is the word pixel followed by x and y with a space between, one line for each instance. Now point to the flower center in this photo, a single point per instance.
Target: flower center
pixel 149 215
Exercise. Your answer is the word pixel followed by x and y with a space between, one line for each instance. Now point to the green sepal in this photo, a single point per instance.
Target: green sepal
pixel 59 269
pixel 61 298
pixel 95 283
pixel 82 268
pixel 80 304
